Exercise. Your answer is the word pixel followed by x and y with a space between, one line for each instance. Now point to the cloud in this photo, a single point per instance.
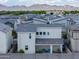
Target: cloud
pixel 31 2
pixel 3 1
pixel 39 1
pixel 73 3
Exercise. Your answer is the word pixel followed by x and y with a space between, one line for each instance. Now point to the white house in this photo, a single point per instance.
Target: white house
pixel 10 20
pixel 5 38
pixel 40 38
pixel 41 19
pixel 74 38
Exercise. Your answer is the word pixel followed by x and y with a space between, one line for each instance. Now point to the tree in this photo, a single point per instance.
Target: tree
pixel 51 13
pixel 64 35
pixel 14 34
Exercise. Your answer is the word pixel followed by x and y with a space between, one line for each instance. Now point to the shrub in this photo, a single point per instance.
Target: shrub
pixel 39 51
pixel 64 35
pixel 14 34
pixel 21 51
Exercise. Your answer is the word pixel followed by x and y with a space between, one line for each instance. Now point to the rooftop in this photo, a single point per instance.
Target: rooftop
pixel 33 27
pixel 75 27
pixel 4 28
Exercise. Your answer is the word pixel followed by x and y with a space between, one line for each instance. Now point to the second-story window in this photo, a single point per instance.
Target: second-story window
pixel 30 35
pixel 44 33
pixel 47 33
pixel 37 33
pixel 40 33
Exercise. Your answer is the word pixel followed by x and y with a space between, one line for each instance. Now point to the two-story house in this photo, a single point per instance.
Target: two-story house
pixel 74 38
pixel 40 38
pixel 5 38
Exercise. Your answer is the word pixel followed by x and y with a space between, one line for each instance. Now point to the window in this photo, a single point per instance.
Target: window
pixel 44 33
pixel 48 23
pixel 26 47
pixel 30 35
pixel 37 33
pixel 56 48
pixel 72 34
pixel 40 33
pixel 47 33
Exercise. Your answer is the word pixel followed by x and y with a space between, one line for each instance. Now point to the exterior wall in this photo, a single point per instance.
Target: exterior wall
pixel 75 40
pixel 23 40
pixel 9 39
pixel 54 32
pixel 3 43
pixel 76 35
pixel 75 45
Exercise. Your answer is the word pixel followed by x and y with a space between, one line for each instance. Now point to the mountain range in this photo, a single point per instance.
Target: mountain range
pixel 37 7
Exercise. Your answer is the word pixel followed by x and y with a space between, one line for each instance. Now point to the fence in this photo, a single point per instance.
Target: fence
pixel 40 56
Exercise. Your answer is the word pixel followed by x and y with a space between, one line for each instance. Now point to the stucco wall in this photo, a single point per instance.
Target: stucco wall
pixel 54 32
pixel 75 44
pixel 23 39
pixel 3 42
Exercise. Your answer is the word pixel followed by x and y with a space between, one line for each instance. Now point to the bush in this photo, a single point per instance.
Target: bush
pixel 21 51
pixel 57 51
pixel 39 51
pixel 14 34
pixel 64 35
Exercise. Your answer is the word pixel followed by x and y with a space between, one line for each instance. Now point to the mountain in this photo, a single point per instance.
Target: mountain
pixel 37 7
pixel 54 7
pixel 2 5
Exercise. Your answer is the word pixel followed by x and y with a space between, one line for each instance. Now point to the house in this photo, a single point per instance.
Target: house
pixel 74 38
pixel 10 20
pixel 35 21
pixel 5 38
pixel 40 38
pixel 55 11
pixel 41 19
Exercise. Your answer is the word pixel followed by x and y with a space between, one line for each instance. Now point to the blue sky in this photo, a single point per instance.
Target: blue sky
pixel 31 2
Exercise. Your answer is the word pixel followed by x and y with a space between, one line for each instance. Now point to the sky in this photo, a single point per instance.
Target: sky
pixel 31 2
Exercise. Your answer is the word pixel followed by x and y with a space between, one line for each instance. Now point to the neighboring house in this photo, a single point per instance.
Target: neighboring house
pixel 74 38
pixel 10 20
pixel 56 12
pixel 5 38
pixel 40 38
pixel 40 19
pixel 35 21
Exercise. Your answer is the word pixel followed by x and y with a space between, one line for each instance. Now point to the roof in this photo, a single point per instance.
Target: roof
pixel 8 20
pixel 49 41
pixel 9 17
pixel 75 27
pixel 52 17
pixel 33 27
pixel 35 19
pixel 4 28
